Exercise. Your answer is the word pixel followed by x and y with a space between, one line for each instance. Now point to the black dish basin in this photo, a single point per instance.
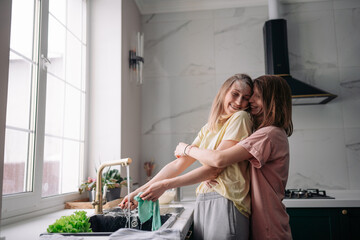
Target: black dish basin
pixel 108 223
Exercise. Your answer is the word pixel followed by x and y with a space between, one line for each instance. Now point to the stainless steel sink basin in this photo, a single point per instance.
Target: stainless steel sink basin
pixel 113 219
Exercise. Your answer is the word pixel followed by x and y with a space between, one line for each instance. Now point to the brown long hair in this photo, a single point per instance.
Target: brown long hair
pixel 277 106
pixel 217 108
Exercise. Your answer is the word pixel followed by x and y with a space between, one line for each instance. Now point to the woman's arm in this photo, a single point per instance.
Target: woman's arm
pixel 215 158
pixel 220 158
pixel 172 169
pixel 195 176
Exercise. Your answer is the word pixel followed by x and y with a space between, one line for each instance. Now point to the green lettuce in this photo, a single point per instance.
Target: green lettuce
pixel 77 222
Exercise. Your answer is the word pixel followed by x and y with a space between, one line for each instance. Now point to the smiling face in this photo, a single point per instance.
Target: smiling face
pixel 256 104
pixel 237 98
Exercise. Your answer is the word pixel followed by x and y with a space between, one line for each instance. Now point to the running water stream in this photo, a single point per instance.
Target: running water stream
pixel 128 223
pixel 128 194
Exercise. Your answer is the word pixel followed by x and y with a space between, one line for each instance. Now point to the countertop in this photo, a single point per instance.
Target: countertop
pixel 343 199
pixel 30 229
pixel 185 220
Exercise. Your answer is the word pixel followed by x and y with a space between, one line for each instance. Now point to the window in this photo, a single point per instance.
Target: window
pixel 20 129
pixel 65 98
pixel 45 121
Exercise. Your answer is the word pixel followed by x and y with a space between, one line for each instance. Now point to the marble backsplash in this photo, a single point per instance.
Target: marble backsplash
pixel 189 55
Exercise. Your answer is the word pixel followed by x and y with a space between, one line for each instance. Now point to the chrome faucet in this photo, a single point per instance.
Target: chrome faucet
pixel 98 202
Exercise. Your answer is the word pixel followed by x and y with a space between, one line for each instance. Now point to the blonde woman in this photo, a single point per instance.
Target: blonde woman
pixel 222 209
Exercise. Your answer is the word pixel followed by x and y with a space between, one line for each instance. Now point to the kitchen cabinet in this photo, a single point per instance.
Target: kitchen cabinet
pixel 190 233
pixel 325 223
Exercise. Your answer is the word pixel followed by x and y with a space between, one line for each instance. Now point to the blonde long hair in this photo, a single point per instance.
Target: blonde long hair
pixel 277 105
pixel 217 109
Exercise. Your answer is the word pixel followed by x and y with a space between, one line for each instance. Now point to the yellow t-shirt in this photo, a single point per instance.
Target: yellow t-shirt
pixel 234 181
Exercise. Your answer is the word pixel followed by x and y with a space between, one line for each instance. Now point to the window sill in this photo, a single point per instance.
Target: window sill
pixel 16 209
pixel 31 229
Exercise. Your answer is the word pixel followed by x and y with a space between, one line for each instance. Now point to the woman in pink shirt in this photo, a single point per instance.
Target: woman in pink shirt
pixel 267 149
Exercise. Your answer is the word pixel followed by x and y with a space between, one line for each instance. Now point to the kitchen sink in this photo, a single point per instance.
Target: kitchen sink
pixel 113 219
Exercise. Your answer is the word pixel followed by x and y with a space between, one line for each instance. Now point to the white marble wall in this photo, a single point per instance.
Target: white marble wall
pixel 189 55
pixel 324 49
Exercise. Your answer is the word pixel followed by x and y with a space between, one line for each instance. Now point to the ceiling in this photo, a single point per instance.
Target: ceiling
pixel 168 6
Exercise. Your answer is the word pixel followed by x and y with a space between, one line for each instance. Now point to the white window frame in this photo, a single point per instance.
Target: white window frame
pixel 20 206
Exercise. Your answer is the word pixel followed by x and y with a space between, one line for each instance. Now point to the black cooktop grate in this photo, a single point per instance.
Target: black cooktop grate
pixel 306 194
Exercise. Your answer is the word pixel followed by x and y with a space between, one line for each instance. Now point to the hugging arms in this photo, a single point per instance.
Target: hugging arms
pixel 168 177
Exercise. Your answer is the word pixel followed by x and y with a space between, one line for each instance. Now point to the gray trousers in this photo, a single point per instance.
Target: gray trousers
pixel 216 217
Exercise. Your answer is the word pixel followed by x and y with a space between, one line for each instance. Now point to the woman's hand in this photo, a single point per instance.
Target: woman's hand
pixel 211 183
pixel 179 151
pixel 133 204
pixel 155 190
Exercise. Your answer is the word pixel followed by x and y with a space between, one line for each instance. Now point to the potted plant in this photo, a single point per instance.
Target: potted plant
pixel 88 185
pixel 111 181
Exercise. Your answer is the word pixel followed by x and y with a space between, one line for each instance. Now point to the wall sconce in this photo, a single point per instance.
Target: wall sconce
pixel 136 59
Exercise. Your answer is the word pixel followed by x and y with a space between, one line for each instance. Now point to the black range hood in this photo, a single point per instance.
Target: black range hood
pixel 277 63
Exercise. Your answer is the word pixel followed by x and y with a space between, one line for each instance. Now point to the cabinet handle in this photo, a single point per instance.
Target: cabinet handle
pixel 344 212
pixel 188 235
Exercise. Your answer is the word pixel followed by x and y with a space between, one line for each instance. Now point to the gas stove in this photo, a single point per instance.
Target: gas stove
pixel 306 194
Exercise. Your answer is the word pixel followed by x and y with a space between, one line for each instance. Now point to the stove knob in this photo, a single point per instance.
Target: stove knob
pixel 344 212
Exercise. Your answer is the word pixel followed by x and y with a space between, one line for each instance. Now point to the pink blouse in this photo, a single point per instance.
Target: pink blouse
pixel 269 173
